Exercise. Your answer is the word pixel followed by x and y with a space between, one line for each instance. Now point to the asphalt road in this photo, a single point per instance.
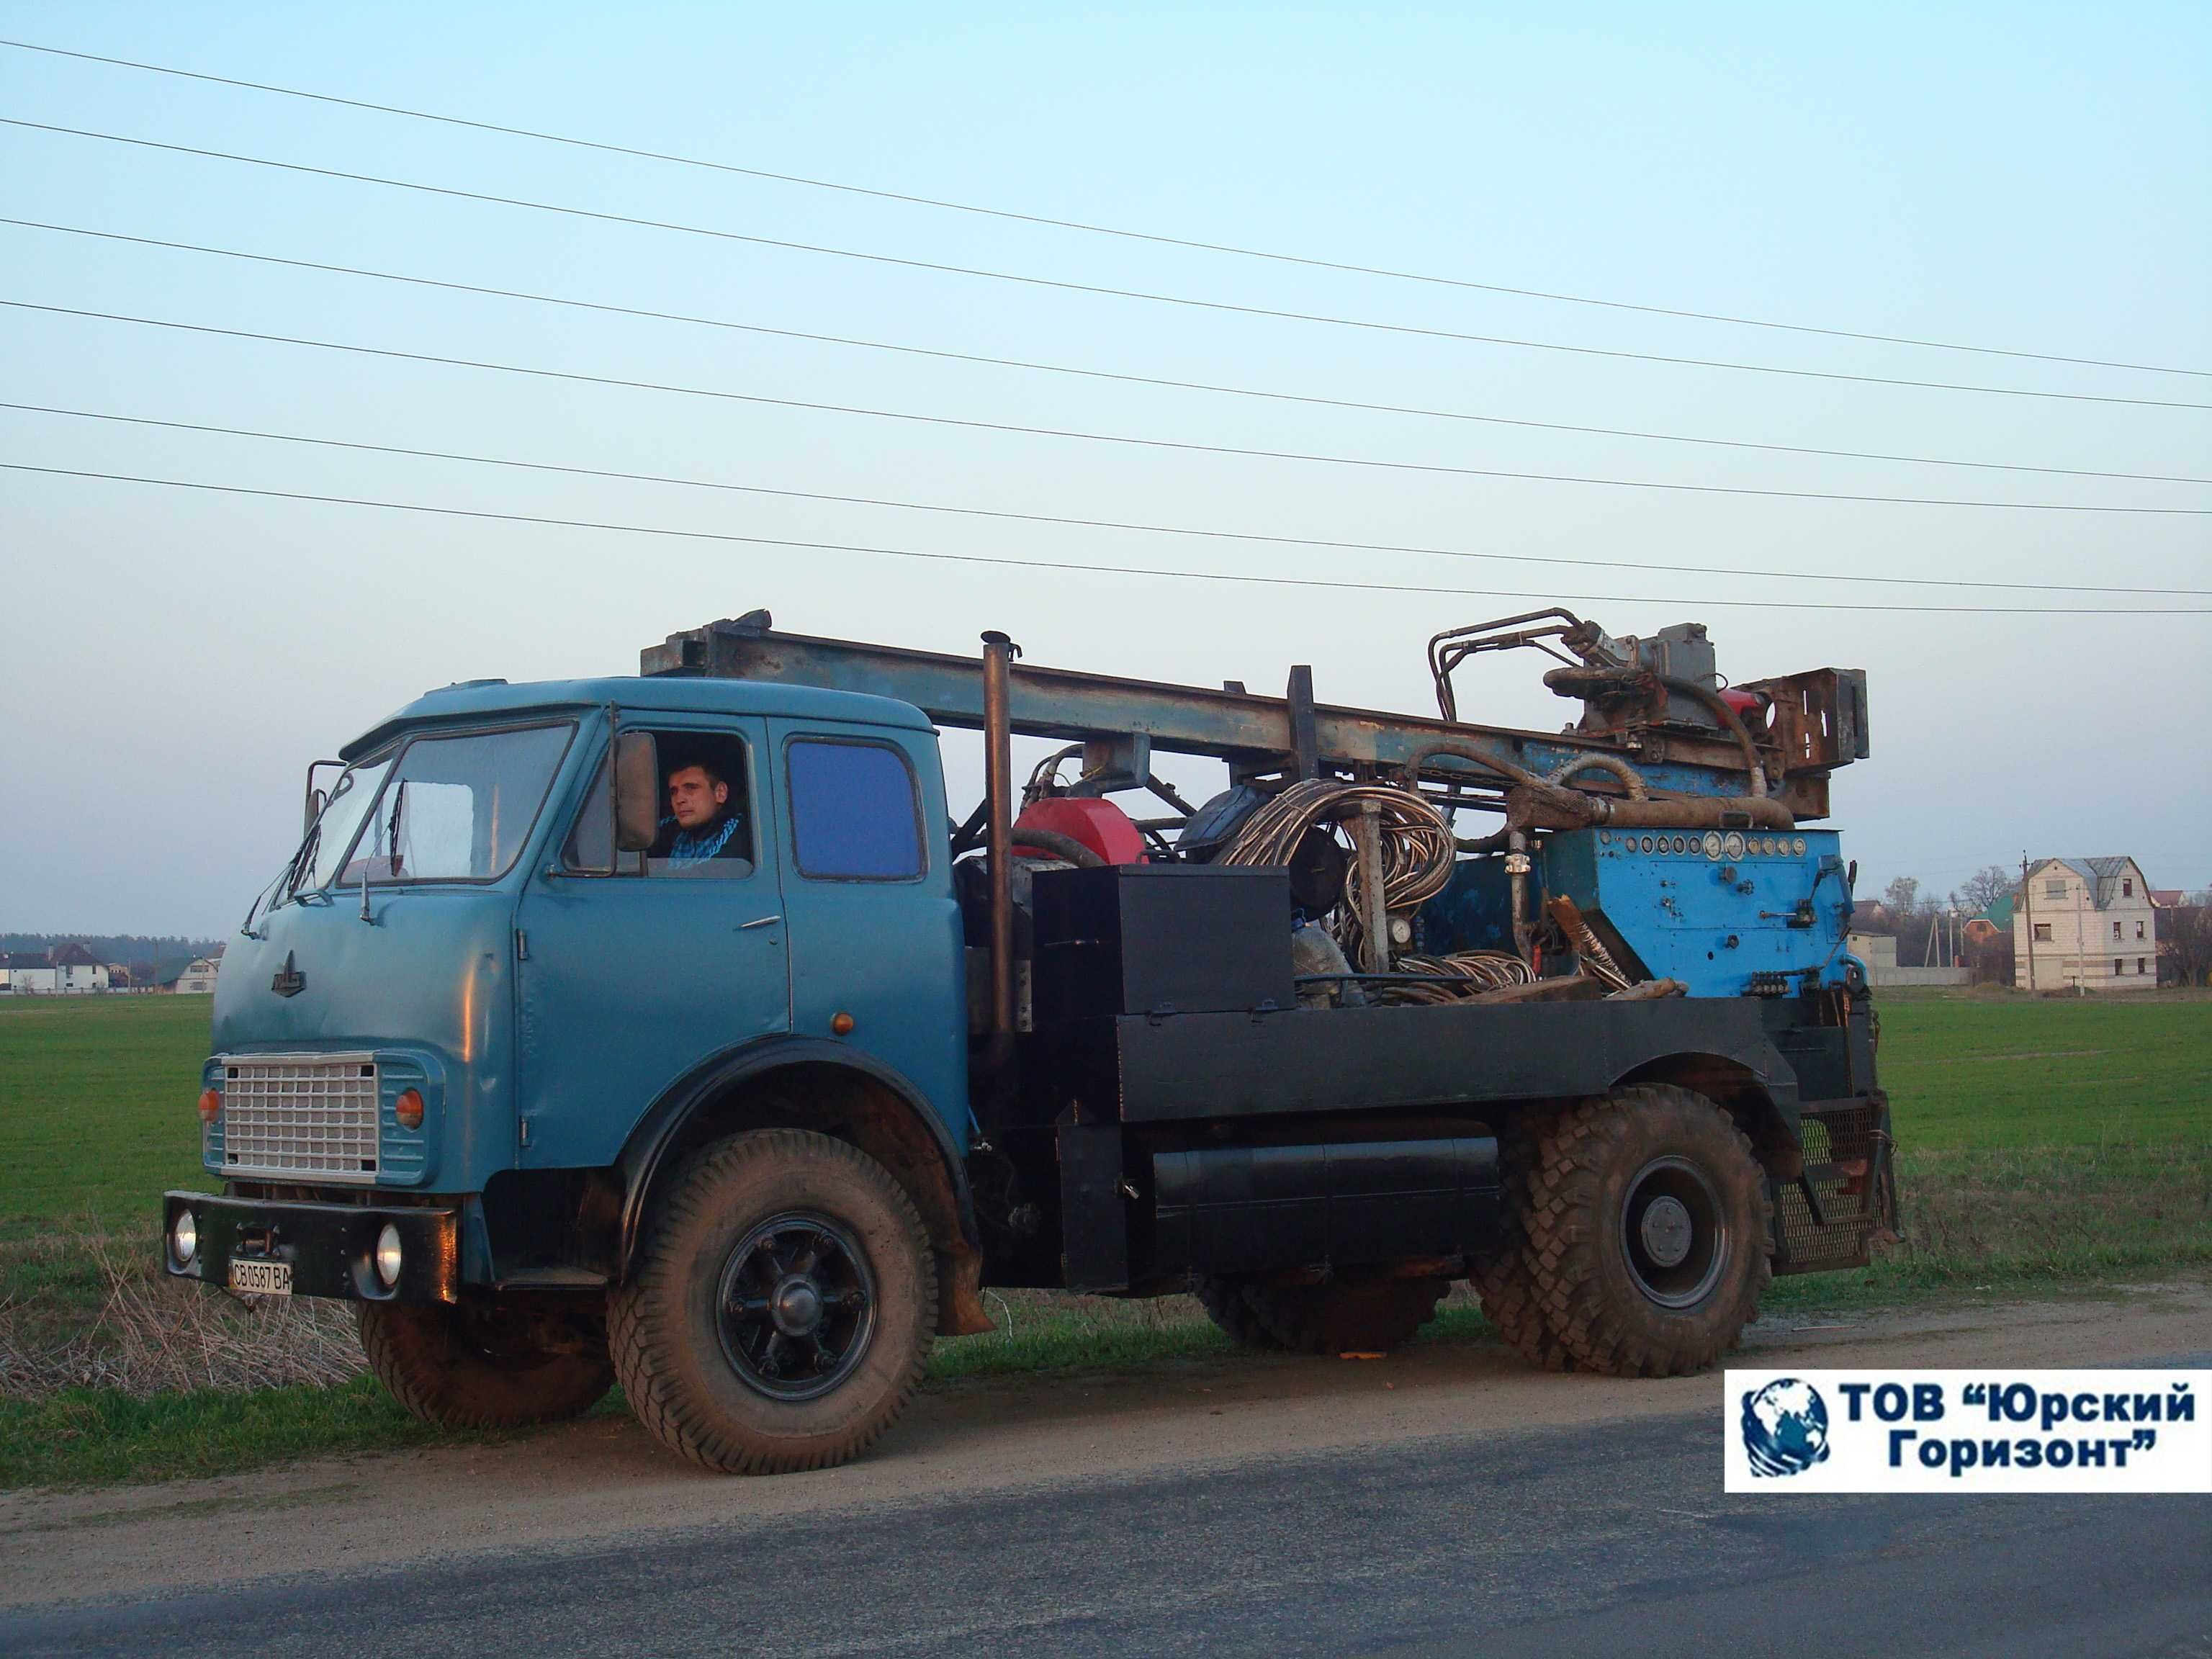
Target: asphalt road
pixel 1607 1538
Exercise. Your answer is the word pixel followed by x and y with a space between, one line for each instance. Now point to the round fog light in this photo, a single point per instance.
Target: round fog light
pixel 387 1256
pixel 185 1238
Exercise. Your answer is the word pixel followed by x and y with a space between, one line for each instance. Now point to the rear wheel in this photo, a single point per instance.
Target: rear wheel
pixel 1344 1315
pixel 492 1361
pixel 1228 1303
pixel 1501 1277
pixel 782 1311
pixel 1646 1227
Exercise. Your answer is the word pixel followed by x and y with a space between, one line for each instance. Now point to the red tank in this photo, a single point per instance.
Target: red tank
pixel 1102 827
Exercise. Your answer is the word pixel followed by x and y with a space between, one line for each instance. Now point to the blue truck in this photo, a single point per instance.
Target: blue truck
pixel 672 1031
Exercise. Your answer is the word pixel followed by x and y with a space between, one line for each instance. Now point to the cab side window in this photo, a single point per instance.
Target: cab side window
pixel 856 811
pixel 707 826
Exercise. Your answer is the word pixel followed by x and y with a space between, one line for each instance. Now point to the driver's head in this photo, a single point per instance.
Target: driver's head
pixel 696 795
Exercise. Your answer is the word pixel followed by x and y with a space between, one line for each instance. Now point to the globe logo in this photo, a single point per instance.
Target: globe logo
pixel 1785 1427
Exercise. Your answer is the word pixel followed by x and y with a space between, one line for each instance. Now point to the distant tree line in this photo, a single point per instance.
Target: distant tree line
pixel 113 947
pixel 2184 942
pixel 1926 935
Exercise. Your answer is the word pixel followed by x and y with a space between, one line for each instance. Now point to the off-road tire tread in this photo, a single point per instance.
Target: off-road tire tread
pixel 1560 1251
pixel 401 1343
pixel 1500 1276
pixel 642 1341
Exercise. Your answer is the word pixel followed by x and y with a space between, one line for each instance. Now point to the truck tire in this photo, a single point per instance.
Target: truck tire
pixel 782 1309
pixel 1228 1303
pixel 1501 1276
pixel 491 1362
pixel 1646 1227
pixel 1344 1315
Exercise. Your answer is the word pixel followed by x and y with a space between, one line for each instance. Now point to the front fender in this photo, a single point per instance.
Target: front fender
pixel 663 1125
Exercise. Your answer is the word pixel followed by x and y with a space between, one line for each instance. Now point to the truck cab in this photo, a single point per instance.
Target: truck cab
pixel 465 1032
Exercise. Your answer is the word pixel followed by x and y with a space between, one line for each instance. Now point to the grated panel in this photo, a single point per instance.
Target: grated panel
pixel 1846 1200
pixel 291 1114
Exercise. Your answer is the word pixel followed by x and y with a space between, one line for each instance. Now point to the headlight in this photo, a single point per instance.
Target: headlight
pixel 387 1256
pixel 184 1238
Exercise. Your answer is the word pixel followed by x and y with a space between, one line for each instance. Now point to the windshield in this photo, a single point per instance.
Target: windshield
pixel 442 808
pixel 458 808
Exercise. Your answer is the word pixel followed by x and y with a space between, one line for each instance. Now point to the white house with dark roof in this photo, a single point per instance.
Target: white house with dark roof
pixel 28 974
pixel 63 970
pixel 2086 924
pixel 76 969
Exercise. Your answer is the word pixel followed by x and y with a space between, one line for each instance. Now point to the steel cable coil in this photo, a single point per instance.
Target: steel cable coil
pixel 1455 977
pixel 1417 843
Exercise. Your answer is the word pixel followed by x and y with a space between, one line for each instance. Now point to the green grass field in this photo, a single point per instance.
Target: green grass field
pixel 97 1093
pixel 2042 1144
pixel 97 1106
pixel 1980 1069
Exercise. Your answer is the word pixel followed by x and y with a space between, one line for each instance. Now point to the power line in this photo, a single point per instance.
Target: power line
pixel 1223 306
pixel 1090 524
pixel 1030 365
pixel 1184 445
pixel 1090 228
pixel 1091 570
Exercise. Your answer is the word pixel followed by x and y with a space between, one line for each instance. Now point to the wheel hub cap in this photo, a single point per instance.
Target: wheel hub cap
pixel 796 1307
pixel 1675 1233
pixel 1667 1231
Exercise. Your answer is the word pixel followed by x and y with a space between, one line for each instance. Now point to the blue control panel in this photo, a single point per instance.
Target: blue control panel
pixel 1712 908
pixel 1728 912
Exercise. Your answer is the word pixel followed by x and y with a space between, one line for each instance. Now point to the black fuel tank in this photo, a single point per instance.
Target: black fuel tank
pixel 1262 1209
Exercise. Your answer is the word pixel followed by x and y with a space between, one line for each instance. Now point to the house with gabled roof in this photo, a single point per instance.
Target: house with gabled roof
pixel 76 969
pixel 2086 924
pixel 28 974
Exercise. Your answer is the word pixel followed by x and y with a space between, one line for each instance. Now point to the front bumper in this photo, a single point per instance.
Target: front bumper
pixel 329 1247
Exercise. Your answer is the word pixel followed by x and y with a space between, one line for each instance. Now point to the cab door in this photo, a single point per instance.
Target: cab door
pixel 868 883
pixel 630 982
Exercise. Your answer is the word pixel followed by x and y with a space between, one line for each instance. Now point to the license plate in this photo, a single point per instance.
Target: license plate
pixel 261 1277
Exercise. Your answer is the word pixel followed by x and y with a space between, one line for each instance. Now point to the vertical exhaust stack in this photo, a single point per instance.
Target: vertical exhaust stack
pixel 999 654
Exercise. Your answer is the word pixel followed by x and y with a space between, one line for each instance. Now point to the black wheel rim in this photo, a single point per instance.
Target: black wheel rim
pixel 1675 1233
pixel 796 1306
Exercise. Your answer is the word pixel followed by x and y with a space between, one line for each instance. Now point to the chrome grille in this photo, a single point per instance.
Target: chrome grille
pixel 290 1115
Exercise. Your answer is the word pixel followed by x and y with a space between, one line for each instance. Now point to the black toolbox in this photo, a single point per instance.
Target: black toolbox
pixel 1147 938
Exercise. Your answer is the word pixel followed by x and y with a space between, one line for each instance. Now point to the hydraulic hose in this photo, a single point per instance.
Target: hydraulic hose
pixel 1733 724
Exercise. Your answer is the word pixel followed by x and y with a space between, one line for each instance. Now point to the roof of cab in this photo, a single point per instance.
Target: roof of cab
pixel 661 694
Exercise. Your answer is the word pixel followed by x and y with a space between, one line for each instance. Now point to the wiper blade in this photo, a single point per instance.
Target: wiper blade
pixel 302 860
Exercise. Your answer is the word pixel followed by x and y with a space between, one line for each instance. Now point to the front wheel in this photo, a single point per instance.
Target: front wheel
pixel 1645 1232
pixel 782 1311
pixel 491 1361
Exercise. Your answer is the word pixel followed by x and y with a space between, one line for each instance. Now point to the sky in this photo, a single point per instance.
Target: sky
pixel 2026 178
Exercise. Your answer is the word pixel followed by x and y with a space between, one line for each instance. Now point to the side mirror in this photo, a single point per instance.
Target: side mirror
pixel 637 792
pixel 318 797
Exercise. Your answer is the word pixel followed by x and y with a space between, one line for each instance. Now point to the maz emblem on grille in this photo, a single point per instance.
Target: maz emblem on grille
pixel 289 980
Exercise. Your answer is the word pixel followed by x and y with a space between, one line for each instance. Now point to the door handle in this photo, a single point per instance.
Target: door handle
pixel 758 921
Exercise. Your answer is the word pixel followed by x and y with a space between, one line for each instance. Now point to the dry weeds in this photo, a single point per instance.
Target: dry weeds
pixel 147 1333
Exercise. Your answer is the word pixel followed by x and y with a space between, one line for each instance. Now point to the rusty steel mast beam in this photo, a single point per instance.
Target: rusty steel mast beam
pixel 1252 732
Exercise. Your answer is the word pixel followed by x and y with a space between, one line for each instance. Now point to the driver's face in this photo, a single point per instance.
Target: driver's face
pixel 694 798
